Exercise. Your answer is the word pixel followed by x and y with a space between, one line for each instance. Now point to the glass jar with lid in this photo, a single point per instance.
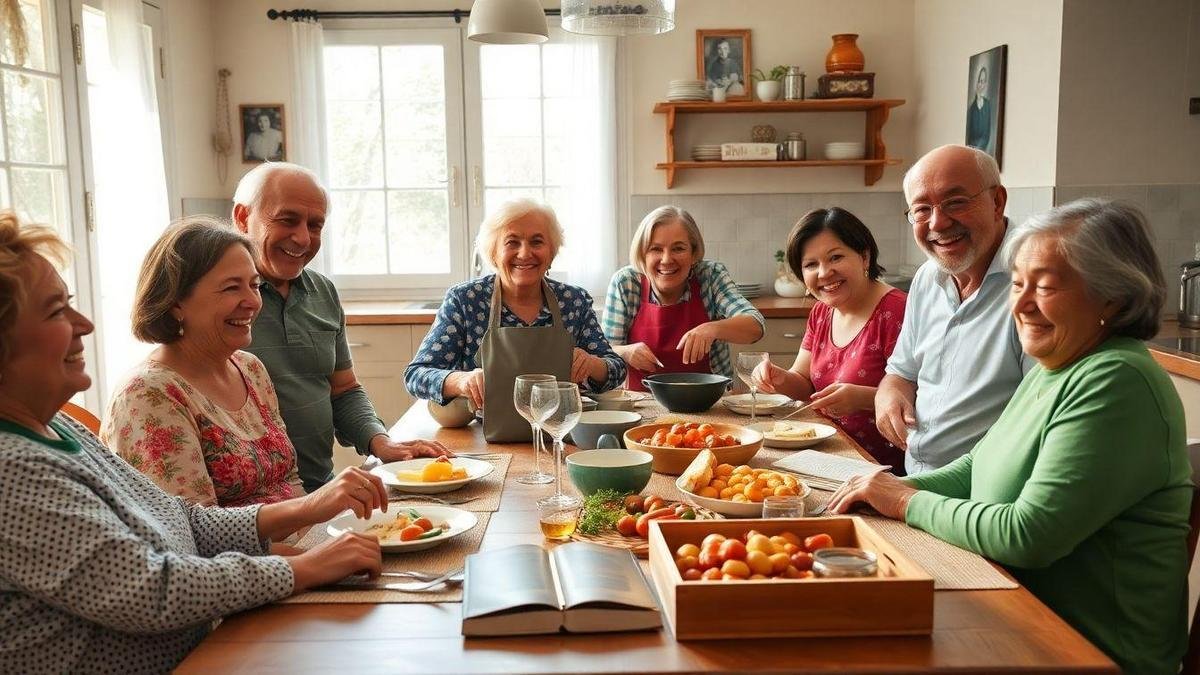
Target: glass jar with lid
pixel 842 561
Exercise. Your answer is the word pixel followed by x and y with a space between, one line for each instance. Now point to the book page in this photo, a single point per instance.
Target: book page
pixel 589 573
pixel 508 578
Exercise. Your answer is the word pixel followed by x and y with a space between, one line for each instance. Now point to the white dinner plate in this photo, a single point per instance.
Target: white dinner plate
pixel 457 521
pixel 824 432
pixel 476 469
pixel 733 509
pixel 767 403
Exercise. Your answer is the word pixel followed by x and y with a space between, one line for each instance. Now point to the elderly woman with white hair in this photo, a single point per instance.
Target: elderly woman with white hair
pixel 1082 487
pixel 490 329
pixel 670 310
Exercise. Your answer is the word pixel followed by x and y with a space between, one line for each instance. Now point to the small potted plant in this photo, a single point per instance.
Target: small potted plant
pixel 786 283
pixel 768 85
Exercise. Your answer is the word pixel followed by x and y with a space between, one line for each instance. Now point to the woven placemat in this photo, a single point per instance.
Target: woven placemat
pixel 488 489
pixel 439 560
pixel 952 568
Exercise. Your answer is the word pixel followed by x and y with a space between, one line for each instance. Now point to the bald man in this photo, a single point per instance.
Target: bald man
pixel 958 360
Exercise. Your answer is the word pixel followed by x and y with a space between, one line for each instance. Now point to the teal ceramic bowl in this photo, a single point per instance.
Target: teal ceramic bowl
pixel 612 468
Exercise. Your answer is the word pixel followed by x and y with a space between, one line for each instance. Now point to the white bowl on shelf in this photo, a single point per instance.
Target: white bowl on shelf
pixel 844 150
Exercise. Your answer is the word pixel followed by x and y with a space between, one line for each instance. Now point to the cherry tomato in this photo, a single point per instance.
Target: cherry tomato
pixel 818 541
pixel 711 574
pixel 801 560
pixel 424 523
pixel 693 574
pixel 627 525
pixel 679 428
pixel 411 532
pixel 733 549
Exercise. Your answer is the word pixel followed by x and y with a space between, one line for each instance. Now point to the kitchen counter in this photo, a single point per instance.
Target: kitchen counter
pixel 1177 349
pixel 385 313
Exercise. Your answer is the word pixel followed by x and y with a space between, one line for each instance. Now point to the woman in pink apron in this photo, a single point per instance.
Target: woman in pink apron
pixel 672 311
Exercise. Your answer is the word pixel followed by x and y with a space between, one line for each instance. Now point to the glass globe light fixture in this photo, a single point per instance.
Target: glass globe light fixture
pixel 629 17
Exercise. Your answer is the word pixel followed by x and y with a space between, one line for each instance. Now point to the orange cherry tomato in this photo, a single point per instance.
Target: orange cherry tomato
pixel 674 440
pixel 818 541
pixel 424 523
pixel 411 532
pixel 704 430
pixel 711 574
pixel 678 428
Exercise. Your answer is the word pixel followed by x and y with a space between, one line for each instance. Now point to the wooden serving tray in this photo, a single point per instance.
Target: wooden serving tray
pixel 639 546
pixel 897 601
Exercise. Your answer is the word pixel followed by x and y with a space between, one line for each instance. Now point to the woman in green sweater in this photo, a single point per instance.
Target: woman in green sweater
pixel 1082 487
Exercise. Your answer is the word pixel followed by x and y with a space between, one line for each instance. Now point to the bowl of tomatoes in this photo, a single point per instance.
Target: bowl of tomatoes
pixel 675 445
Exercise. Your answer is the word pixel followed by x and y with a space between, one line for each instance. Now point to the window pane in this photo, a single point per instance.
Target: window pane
pixel 358 244
pixel 510 71
pixel 512 117
pixel 558 65
pixel 512 161
pixel 39 36
pixel 34 118
pixel 355 141
pixel 419 163
pixel 5 200
pixel 41 197
pixel 352 73
pixel 493 197
pixel 419 232
pixel 414 73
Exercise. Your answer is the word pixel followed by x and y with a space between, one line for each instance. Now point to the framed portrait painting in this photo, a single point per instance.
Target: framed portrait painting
pixel 723 60
pixel 985 100
pixel 263 137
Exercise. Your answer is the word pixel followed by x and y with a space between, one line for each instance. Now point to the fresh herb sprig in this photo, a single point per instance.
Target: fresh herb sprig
pixel 601 511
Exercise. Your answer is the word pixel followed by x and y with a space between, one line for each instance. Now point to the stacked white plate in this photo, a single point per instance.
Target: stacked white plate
pixel 687 90
pixel 706 153
pixel 749 290
pixel 844 150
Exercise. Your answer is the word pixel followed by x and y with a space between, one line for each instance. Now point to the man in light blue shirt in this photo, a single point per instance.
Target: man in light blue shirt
pixel 958 360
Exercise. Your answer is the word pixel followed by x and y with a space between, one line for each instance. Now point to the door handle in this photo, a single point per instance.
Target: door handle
pixel 476 186
pixel 454 201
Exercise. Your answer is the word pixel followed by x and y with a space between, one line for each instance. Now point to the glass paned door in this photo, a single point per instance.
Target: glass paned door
pixel 394 132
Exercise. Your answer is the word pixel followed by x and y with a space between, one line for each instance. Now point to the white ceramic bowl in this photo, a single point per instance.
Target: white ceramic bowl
pixel 839 151
pixel 733 509
pixel 457 520
pixel 476 469
pixel 457 413
pixel 824 433
pixel 767 403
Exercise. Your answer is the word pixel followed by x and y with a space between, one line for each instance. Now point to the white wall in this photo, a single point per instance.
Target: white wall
pixel 192 78
pixel 947 33
pixel 787 32
pixel 1127 72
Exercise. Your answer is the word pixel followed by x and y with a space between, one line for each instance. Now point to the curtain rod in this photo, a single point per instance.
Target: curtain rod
pixel 304 14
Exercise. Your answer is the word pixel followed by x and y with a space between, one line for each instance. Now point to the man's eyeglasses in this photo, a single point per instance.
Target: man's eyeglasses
pixel 920 214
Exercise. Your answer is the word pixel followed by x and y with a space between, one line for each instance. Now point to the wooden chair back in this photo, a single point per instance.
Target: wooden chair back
pixel 1191 659
pixel 83 416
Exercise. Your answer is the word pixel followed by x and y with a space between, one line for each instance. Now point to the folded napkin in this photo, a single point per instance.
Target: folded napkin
pixel 822 470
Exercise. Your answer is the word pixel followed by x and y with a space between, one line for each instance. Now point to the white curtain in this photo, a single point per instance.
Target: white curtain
pixel 306 142
pixel 588 210
pixel 131 207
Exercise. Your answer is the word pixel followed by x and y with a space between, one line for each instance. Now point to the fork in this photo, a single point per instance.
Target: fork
pixel 407 497
pixel 795 412
pixel 451 577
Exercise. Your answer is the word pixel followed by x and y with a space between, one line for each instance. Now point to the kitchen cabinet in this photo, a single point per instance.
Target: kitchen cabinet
pixel 781 339
pixel 876 110
pixel 381 353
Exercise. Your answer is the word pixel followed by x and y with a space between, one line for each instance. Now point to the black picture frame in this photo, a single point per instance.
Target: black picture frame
pixel 258 144
pixel 986 81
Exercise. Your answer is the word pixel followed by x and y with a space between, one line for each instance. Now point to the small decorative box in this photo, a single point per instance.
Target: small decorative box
pixel 743 152
pixel 846 84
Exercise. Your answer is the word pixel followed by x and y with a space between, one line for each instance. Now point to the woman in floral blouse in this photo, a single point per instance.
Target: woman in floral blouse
pixel 199 416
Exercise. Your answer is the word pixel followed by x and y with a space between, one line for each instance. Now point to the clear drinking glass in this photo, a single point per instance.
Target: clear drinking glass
pixel 556 405
pixel 522 391
pixel 783 507
pixel 746 363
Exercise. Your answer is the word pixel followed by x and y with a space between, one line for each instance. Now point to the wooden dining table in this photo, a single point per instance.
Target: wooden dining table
pixel 978 631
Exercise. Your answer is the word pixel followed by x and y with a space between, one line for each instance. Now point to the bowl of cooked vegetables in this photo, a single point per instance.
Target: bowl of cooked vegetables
pixel 428 475
pixel 675 445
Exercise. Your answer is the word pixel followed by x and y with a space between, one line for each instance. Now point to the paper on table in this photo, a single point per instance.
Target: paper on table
pixel 823 465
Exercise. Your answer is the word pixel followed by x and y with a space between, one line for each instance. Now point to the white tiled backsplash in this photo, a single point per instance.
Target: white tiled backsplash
pixel 744 231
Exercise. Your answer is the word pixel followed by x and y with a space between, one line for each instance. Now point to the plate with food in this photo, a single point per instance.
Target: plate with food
pixel 766 403
pixel 675 445
pixel 429 475
pixel 405 529
pixel 736 491
pixel 790 435
pixel 622 519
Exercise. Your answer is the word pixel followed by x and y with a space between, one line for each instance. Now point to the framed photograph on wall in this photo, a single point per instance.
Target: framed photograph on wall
pixel 723 60
pixel 985 100
pixel 263 137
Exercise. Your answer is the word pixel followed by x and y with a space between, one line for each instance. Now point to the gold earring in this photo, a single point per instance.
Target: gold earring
pixel 867 273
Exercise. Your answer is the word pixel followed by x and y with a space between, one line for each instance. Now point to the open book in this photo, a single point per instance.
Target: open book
pixel 579 587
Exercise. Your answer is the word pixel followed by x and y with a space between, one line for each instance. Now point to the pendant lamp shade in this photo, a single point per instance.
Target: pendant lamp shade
pixel 507 22
pixel 631 17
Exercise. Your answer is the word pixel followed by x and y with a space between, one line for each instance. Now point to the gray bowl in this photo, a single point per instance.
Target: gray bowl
pixel 594 424
pixel 687 392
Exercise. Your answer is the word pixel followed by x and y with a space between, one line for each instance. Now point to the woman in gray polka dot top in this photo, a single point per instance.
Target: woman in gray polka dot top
pixel 100 570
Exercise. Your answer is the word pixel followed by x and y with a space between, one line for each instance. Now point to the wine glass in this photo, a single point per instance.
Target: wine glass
pixel 522 390
pixel 746 363
pixel 556 405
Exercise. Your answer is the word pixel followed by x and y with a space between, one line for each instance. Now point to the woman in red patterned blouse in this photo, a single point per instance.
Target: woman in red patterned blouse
pixel 851 330
pixel 199 416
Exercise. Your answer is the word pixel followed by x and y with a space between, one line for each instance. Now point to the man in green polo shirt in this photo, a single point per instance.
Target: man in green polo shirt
pixel 300 335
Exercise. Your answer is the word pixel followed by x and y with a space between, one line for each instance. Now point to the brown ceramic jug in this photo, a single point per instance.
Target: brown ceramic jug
pixel 844 55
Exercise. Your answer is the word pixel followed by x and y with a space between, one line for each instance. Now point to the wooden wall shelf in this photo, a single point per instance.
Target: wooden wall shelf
pixel 876 110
